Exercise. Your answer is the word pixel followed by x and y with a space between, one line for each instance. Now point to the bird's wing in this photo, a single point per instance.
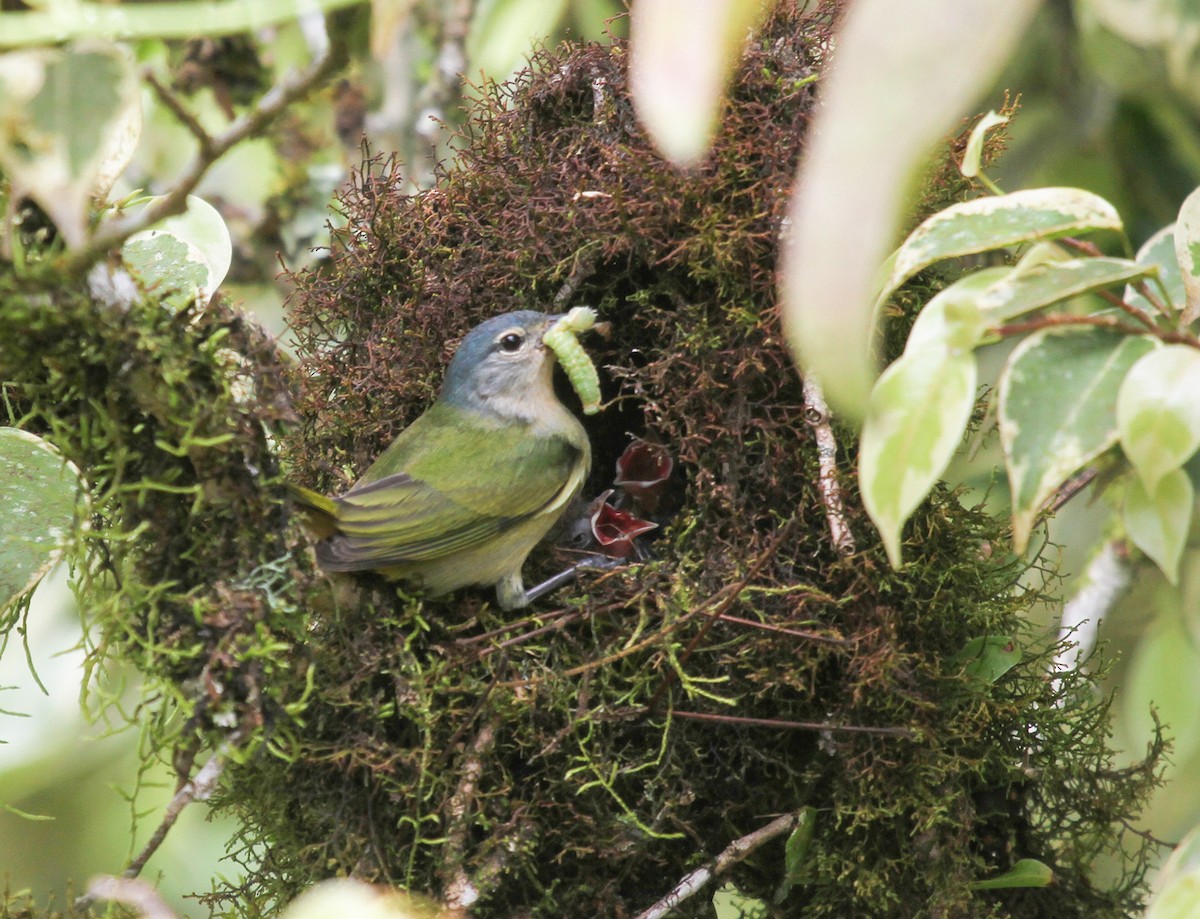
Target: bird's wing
pixel 435 507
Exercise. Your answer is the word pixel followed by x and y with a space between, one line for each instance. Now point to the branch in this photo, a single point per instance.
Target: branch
pixel 1105 581
pixel 734 853
pixel 794 725
pixel 1061 320
pixel 461 891
pixel 816 414
pixel 113 233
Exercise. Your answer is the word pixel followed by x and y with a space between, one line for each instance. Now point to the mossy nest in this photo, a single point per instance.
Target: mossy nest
pixel 581 758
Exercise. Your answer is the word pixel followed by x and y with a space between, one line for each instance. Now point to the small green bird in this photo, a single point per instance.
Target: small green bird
pixel 466 491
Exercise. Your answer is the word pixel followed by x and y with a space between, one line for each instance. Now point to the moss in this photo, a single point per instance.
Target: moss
pixel 584 757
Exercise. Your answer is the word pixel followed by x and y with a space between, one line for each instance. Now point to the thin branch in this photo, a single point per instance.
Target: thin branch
pixel 460 890
pixel 112 234
pixel 733 853
pixel 1105 580
pixel 1060 320
pixel 816 413
pixel 795 725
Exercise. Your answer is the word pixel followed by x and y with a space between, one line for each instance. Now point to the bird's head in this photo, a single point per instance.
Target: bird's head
pixel 502 367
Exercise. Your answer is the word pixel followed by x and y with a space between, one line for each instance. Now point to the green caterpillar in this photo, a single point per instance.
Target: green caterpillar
pixel 560 338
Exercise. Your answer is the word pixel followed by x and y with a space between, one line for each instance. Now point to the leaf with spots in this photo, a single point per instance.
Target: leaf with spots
pixel 1057 411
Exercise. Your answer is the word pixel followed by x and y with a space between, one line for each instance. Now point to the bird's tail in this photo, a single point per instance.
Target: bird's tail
pixel 320 512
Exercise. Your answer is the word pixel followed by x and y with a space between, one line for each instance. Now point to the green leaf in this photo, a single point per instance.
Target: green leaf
pixel 1159 251
pixel 796 851
pixel 1025 290
pixel 1158 412
pixel 1178 882
pixel 915 421
pixel 63 113
pixel 1158 683
pixel 952 317
pixel 188 254
pixel 988 657
pixel 1187 252
pixel 39 492
pixel 503 32
pixel 1028 872
pixel 974 150
pixel 1056 411
pixel 202 225
pixel 990 223
pixel 1158 522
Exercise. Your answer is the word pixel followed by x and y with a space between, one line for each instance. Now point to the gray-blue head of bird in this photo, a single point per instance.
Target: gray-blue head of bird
pixel 503 368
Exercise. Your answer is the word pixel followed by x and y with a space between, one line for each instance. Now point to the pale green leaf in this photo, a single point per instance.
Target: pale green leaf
pixel 503 33
pixel 918 412
pixel 169 268
pixel 61 112
pixel 1056 411
pixel 681 58
pixel 1158 521
pixel 904 74
pixel 1178 882
pixel 988 657
pixel 1187 252
pixel 1159 251
pixel 974 150
pixel 39 492
pixel 952 317
pixel 983 224
pixel 1028 872
pixel 1042 285
pixel 795 851
pixel 202 226
pixel 1156 685
pixel 1158 412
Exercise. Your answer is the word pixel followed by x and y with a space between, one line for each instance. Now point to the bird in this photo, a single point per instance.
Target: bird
pixel 466 491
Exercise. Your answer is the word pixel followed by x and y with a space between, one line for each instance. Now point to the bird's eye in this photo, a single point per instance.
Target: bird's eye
pixel 512 342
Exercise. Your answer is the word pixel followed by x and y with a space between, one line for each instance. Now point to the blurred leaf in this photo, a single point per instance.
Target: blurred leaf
pixel 1187 253
pixel 39 491
pixel 983 224
pixel 1158 414
pixel 1056 411
pixel 1178 883
pixel 503 32
pixel 988 657
pixel 946 320
pixel 918 412
pixel 1028 872
pixel 1158 522
pixel 64 120
pixel 1159 680
pixel 1159 251
pixel 885 104
pixel 974 150
pixel 681 58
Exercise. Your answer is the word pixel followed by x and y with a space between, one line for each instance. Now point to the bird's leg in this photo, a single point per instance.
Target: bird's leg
pixel 593 562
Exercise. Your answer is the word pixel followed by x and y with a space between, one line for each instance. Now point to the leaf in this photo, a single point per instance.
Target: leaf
pixel 1187 253
pixel 502 32
pixel 1023 291
pixel 952 317
pixel 795 851
pixel 988 657
pixel 1056 408
pixel 990 223
pixel 189 254
pixel 885 104
pixel 1159 251
pixel 1158 412
pixel 1178 882
pixel 681 58
pixel 39 492
pixel 1158 522
pixel 62 114
pixel 1028 872
pixel 1156 684
pixel 974 150
pixel 918 412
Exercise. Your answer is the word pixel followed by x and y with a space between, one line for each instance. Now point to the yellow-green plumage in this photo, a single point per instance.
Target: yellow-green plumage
pixel 467 490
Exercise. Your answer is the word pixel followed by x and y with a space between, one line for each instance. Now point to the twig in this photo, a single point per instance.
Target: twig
pixel 1105 581
pixel 1060 320
pixel 733 853
pixel 580 272
pixel 113 233
pixel 816 414
pixel 461 891
pixel 794 725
